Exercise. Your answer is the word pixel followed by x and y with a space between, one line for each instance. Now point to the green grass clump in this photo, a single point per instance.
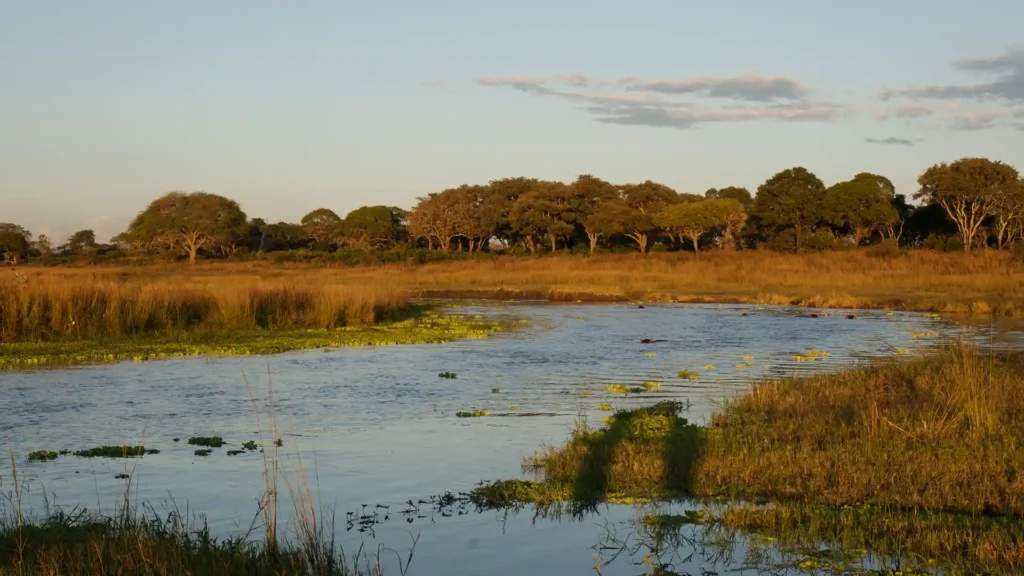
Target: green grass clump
pixel 473 414
pixel 112 452
pixel 208 441
pixel 42 455
pixel 203 452
pixel 448 375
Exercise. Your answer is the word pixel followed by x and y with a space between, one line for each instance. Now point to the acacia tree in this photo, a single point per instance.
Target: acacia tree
pixel 741 195
pixel 1009 213
pixel 968 190
pixel 321 225
pixel 188 222
pixel 694 219
pixel 43 245
pixel 81 241
pixel 598 208
pixel 606 220
pixel 497 206
pixel 542 213
pixel 793 199
pixel 370 227
pixel 643 201
pixel 861 206
pixel 438 218
pixel 15 242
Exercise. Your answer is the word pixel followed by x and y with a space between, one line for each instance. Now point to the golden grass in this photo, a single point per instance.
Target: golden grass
pixel 984 282
pixel 945 433
pixel 47 305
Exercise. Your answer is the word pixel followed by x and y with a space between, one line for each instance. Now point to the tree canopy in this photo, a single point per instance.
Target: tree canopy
pixel 792 199
pixel 188 222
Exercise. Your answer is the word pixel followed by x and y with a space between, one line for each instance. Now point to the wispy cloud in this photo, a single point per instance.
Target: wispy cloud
pixel 1004 88
pixel 434 83
pixel 890 141
pixel 678 103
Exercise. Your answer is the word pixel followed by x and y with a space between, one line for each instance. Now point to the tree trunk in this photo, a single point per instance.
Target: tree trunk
pixel 593 242
pixel 554 242
pixel 192 250
pixel 797 230
pixel 641 240
pixel 430 243
pixel 696 247
pixel 446 243
pixel 531 245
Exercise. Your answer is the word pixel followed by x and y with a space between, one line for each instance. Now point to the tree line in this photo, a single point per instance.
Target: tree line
pixel 967 204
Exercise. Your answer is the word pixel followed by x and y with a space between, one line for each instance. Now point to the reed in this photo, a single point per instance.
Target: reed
pixel 981 283
pixel 68 308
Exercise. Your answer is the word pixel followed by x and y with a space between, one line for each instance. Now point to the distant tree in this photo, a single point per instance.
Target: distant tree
pixel 694 219
pixel 741 195
pixel 275 237
pixel 43 245
pixel 15 242
pixel 597 208
pixel 968 190
pixel 81 241
pixel 791 199
pixel 860 207
pixel 643 201
pixel 1009 213
pixel 499 201
pixel 321 225
pixel 188 222
pixel 542 213
pixel 371 227
pixel 438 218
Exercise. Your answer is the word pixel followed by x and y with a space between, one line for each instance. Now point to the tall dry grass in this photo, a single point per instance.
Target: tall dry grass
pixel 983 282
pixel 55 307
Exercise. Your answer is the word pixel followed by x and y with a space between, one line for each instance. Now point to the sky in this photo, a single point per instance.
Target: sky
pixel 293 105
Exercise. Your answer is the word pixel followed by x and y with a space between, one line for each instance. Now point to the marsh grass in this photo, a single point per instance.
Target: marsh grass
pixel 54 308
pixel 943 433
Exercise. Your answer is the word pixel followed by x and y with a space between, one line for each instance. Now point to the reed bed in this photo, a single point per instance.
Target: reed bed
pixel 49 308
pixel 983 283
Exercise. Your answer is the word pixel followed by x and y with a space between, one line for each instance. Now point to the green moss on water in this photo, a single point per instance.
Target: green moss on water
pixel 113 452
pixel 430 329
pixel 208 441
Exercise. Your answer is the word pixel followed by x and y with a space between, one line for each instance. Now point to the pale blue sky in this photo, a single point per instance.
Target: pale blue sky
pixel 288 106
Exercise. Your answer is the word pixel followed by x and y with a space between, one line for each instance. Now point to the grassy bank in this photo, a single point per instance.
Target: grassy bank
pixel 944 433
pixel 981 283
pixel 429 329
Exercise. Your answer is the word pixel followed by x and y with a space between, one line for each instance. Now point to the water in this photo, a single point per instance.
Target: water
pixel 377 426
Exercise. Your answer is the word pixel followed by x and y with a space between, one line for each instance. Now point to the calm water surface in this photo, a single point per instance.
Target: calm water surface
pixel 377 425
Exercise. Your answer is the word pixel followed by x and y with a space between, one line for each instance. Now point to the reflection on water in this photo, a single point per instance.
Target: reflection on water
pixel 377 425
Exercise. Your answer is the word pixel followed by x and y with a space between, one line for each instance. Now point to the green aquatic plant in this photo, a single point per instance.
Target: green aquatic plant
pixel 637 389
pixel 249 445
pixel 473 414
pixel 615 388
pixel 688 375
pixel 64 452
pixel 278 442
pixel 495 390
pixel 426 330
pixel 203 452
pixel 112 452
pixel 448 375
pixel 42 455
pixel 208 441
pixel 235 452
pixel 605 407
pixel 651 386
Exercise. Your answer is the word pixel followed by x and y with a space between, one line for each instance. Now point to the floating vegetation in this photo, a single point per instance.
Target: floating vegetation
pixel 208 441
pixel 203 452
pixel 605 407
pixel 748 356
pixel 579 318
pixel 122 476
pixel 448 375
pixel 651 385
pixel 709 366
pixel 64 452
pixel 923 333
pixel 741 366
pixel 688 375
pixel 176 440
pixel 513 406
pixel 650 355
pixel 249 445
pixel 473 414
pixel 39 455
pixel 495 390
pixel 431 329
pixel 587 393
pixel 235 452
pixel 801 358
pixel 637 389
pixel 615 388
pixel 902 351
pixel 278 442
pixel 114 452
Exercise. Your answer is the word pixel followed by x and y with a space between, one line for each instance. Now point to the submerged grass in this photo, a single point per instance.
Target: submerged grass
pixel 432 328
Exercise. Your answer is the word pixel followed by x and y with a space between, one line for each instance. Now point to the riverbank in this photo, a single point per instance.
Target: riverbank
pixel 982 283
pixel 430 328
pixel 941 433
